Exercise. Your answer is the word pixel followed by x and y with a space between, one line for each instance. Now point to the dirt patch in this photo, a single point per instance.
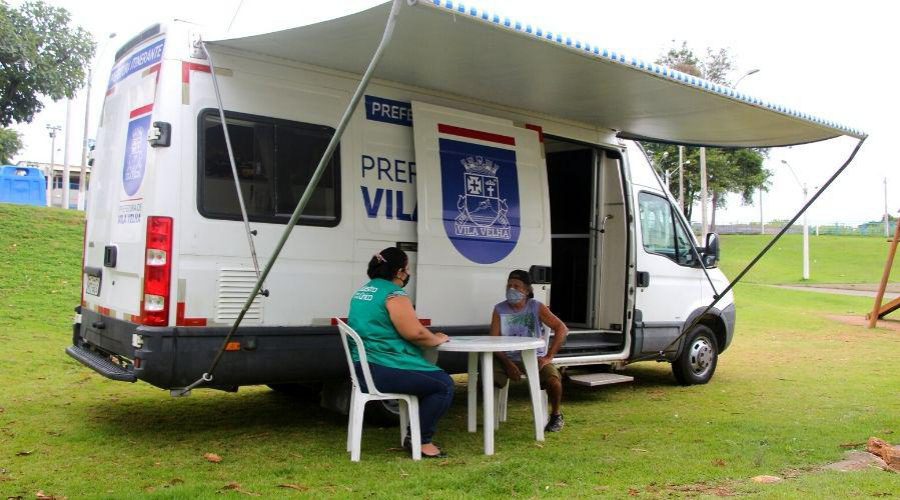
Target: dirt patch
pixel 892 288
pixel 857 460
pixel 859 320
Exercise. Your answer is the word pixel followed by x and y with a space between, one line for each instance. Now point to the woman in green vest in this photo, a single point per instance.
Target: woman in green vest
pixel 383 316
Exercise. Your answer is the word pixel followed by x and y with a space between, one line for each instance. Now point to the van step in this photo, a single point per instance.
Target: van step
pixel 100 364
pixel 595 379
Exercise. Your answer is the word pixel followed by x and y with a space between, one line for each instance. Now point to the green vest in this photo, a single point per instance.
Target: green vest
pixel 370 319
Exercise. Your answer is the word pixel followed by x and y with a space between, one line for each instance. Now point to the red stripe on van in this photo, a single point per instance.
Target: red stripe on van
pixel 476 134
pixel 538 129
pixel 180 320
pixel 424 321
pixel 187 67
pixel 143 110
pixel 103 310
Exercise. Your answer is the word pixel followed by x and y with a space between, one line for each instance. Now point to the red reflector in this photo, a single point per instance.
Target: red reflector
pixel 233 346
pixel 137 362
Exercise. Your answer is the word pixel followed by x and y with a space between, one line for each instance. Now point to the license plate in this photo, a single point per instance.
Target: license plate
pixel 93 285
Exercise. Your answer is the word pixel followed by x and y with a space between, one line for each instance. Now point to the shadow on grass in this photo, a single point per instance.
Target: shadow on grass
pixel 262 412
pixel 219 413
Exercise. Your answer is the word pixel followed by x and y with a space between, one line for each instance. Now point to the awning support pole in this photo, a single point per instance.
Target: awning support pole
pixel 234 173
pixel 313 182
pixel 690 326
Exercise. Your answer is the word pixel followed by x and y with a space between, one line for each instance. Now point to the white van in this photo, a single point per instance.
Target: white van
pixel 482 146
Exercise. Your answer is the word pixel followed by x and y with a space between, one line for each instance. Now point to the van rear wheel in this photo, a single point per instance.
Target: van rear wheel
pixel 698 359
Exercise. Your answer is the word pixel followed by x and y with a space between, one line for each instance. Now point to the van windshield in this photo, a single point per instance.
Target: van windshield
pixel 275 160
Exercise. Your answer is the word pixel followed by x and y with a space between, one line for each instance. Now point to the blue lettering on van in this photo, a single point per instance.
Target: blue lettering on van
pixel 480 191
pixel 148 56
pixel 384 110
pixel 392 204
pixel 135 154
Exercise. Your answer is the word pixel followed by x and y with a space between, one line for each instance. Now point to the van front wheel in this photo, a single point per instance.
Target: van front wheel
pixel 699 356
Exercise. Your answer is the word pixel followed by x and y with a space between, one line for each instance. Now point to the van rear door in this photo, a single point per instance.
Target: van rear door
pixel 483 211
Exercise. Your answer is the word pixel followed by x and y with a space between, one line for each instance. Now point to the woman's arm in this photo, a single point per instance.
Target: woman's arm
pixel 405 321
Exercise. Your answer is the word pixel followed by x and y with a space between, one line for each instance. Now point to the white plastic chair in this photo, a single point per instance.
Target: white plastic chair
pixel 409 404
pixel 501 398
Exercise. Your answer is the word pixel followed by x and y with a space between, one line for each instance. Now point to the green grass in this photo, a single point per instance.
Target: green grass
pixel 793 387
pixel 832 259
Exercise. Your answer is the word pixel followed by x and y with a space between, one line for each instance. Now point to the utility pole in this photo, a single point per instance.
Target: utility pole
pixel 887 218
pixel 66 164
pixel 82 184
pixel 805 222
pixel 762 223
pixel 703 222
pixel 805 237
pixel 681 177
pixel 52 129
pixel 82 180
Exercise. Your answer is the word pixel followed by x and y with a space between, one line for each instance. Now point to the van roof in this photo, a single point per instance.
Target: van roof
pixel 448 47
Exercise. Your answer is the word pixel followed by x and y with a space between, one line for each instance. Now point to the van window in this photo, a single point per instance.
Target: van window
pixel 275 160
pixel 660 230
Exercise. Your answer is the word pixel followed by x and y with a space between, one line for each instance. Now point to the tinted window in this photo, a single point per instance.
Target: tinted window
pixel 275 160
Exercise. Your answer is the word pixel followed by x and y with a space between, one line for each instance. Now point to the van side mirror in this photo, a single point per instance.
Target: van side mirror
pixel 711 252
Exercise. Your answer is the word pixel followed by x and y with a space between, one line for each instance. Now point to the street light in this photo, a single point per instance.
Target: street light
pixel 805 223
pixel 745 75
pixel 52 130
pixel 762 223
pixel 82 181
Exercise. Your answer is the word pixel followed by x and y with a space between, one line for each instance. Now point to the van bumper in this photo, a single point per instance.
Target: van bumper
pixel 729 317
pixel 175 357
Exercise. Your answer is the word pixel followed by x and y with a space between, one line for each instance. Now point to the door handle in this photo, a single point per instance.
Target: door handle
pixel 643 279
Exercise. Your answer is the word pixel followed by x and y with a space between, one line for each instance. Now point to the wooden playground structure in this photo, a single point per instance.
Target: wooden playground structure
pixel 880 310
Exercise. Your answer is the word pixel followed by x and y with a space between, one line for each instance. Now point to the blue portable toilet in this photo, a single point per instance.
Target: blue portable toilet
pixel 22 185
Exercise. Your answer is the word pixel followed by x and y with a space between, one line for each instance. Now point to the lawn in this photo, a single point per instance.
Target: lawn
pixel 832 259
pixel 793 388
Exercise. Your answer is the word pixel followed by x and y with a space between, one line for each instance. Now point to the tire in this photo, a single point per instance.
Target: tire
pixel 383 413
pixel 699 356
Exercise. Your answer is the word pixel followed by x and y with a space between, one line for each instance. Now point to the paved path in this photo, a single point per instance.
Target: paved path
pixel 855 289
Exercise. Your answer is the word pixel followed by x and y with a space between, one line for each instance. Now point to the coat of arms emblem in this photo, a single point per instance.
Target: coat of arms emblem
pixel 481 207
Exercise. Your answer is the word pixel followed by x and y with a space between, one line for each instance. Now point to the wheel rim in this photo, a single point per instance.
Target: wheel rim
pixel 702 355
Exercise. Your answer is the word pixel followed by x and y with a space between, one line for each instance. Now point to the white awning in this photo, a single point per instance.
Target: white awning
pixel 444 46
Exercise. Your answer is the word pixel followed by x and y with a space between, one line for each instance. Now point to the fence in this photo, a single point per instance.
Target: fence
pixel 869 229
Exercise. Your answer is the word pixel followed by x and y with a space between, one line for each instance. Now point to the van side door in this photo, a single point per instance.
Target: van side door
pixel 483 211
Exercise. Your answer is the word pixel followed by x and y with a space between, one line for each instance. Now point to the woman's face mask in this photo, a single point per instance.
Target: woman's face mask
pixel 406 279
pixel 514 296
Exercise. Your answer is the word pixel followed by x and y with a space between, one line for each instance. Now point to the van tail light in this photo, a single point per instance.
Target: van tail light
pixel 157 272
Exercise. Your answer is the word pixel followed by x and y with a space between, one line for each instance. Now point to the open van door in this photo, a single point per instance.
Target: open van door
pixel 483 211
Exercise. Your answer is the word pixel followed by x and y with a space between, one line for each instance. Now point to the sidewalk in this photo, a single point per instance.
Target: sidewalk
pixel 856 289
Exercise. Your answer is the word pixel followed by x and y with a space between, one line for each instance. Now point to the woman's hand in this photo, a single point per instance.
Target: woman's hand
pixel 440 338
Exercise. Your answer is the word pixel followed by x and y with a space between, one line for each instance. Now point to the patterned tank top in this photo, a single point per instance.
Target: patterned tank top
pixel 524 323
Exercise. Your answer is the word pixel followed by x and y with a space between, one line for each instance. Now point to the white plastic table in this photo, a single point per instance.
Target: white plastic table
pixel 486 346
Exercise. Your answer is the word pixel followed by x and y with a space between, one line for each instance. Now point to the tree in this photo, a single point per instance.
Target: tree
pixel 41 54
pixel 736 171
pixel 10 144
